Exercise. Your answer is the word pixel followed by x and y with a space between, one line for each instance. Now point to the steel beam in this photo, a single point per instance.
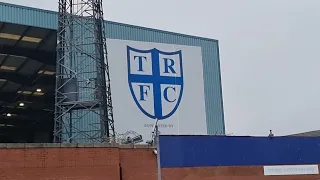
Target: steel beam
pixel 37 55
pixel 27 80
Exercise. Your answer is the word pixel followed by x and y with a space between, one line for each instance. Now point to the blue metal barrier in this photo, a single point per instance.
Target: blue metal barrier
pixel 199 151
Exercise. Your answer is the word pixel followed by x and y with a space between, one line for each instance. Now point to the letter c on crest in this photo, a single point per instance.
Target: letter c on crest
pixel 165 94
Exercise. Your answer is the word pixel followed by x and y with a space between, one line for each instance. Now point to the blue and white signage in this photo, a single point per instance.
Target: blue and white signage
pixel 157 81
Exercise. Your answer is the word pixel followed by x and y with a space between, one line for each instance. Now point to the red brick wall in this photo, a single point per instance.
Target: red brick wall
pixel 60 164
pixel 226 173
pixel 105 164
pixel 138 164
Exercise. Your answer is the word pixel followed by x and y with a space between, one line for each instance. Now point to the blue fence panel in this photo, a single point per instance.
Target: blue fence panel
pixel 199 151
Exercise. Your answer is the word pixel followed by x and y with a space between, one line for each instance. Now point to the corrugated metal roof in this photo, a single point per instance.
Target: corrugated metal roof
pixel 308 134
pixel 28 16
pixel 18 14
pixel 210 51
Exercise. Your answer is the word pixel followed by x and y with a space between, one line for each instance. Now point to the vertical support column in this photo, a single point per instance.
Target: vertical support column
pixel 158 151
pixel 83 105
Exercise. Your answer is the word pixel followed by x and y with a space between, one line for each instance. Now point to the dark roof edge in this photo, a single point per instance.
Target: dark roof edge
pixel 117 23
pixel 71 145
pixel 164 31
pixel 27 7
pixel 253 137
pixel 315 133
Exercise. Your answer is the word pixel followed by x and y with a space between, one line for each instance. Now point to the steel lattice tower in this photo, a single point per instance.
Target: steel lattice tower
pixel 83 105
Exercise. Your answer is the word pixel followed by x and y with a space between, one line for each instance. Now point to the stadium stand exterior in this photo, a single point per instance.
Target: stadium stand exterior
pixel 182 157
pixel 15 14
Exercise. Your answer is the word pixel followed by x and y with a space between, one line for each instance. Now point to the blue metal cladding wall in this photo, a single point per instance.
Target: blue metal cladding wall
pixel 200 151
pixel 210 51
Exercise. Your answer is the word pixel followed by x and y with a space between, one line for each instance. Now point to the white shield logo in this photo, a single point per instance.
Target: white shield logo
pixel 155 80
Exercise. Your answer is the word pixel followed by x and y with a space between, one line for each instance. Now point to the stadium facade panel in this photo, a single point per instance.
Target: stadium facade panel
pixel 213 103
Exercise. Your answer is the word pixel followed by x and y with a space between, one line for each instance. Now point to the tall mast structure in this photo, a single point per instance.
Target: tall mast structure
pixel 83 104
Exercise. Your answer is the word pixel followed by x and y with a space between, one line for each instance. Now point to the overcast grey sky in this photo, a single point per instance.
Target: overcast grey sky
pixel 270 54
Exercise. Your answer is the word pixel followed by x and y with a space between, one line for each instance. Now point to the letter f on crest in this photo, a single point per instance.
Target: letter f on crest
pixel 143 91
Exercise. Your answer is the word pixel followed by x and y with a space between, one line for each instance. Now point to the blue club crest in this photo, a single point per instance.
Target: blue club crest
pixel 156 81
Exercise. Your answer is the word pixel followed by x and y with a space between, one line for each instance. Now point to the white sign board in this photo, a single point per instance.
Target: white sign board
pixel 290 170
pixel 157 81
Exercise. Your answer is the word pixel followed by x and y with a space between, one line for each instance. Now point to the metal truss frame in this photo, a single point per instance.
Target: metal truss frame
pixel 83 103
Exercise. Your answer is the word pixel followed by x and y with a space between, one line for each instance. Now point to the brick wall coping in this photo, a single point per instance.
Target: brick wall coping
pixel 71 145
